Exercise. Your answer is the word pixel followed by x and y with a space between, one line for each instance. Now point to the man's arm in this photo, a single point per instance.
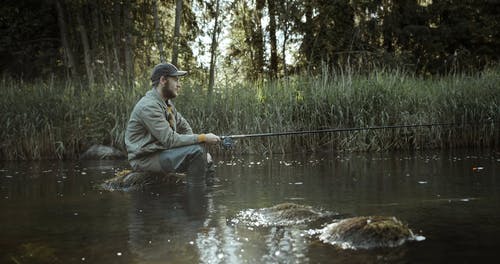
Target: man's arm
pixel 183 126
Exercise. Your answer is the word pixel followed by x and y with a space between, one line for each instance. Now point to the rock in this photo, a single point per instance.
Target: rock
pixel 100 152
pixel 365 232
pixel 35 252
pixel 285 214
pixel 128 180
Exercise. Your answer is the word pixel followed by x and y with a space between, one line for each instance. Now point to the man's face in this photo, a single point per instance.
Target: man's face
pixel 171 86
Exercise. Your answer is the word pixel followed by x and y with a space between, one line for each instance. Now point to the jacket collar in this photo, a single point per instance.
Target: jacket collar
pixel 154 94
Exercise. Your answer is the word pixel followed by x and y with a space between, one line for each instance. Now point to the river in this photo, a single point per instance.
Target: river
pixel 52 212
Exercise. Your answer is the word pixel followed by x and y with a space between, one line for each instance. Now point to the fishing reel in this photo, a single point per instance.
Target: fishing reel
pixel 227 142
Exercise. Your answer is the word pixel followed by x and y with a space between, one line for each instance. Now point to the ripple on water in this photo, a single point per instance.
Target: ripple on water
pixel 285 214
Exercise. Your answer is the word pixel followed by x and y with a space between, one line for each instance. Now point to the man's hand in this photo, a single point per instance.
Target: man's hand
pixel 211 138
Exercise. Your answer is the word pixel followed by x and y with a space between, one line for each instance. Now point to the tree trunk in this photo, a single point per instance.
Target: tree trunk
pixel 157 32
pixel 273 67
pixel 259 37
pixel 86 47
pixel 107 54
pixel 213 51
pixel 95 39
pixel 307 43
pixel 68 54
pixel 116 39
pixel 284 12
pixel 177 30
pixel 285 38
pixel 387 30
pixel 129 63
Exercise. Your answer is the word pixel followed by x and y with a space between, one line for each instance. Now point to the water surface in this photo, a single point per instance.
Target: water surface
pixel 51 212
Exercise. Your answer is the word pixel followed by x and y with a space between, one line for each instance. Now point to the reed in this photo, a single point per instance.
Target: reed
pixel 343 99
pixel 53 119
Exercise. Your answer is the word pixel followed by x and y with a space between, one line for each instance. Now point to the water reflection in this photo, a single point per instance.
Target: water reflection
pixel 164 224
pixel 222 242
pixel 286 244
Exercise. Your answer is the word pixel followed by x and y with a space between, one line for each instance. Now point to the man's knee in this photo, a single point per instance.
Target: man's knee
pixel 192 150
pixel 198 149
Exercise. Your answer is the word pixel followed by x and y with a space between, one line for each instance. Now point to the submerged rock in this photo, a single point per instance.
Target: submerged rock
pixel 365 232
pixel 100 152
pixel 35 252
pixel 284 214
pixel 128 180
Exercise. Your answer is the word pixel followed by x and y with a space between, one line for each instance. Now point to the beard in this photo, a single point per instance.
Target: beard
pixel 168 93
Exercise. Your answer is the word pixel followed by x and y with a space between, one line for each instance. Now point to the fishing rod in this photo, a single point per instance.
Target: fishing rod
pixel 228 141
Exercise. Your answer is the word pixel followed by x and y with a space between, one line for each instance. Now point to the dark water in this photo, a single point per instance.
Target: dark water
pixel 52 213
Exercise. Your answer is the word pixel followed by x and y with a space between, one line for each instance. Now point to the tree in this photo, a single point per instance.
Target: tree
pixel 240 58
pixel 68 53
pixel 273 64
pixel 258 37
pixel 177 30
pixel 86 47
pixel 213 48
pixel 159 41
pixel 128 45
pixel 287 11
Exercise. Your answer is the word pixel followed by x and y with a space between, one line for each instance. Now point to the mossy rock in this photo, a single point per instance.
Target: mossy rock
pixel 285 214
pixel 127 180
pixel 365 232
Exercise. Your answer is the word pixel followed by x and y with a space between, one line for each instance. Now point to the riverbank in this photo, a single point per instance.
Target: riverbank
pixel 48 119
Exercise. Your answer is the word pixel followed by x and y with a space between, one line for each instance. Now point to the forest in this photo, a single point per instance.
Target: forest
pixel 73 69
pixel 102 41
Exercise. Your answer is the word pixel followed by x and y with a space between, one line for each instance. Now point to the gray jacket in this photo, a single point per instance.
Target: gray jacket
pixel 148 130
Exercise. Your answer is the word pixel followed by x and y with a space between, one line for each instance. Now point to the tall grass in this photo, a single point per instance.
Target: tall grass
pixel 45 119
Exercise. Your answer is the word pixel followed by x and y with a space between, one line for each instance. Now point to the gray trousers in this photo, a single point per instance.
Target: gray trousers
pixel 192 159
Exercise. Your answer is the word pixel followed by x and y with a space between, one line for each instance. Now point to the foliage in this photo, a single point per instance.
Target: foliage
pixel 47 121
pixel 421 36
pixel 32 47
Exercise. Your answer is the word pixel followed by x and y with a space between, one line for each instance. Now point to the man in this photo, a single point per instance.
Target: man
pixel 159 139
